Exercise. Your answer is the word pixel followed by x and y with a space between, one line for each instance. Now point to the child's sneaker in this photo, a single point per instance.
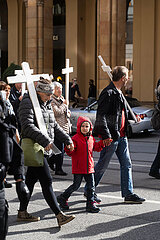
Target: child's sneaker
pixel 92 208
pixel 62 202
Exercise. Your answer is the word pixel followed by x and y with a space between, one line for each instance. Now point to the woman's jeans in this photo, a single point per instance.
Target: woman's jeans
pixel 89 178
pixel 120 147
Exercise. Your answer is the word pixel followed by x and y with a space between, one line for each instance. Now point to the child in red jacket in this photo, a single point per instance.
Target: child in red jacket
pixel 82 164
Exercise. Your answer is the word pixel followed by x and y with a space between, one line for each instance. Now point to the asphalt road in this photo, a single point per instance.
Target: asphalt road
pixel 115 221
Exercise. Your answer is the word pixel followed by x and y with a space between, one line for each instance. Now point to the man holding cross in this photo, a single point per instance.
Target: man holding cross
pixel 30 129
pixel 111 125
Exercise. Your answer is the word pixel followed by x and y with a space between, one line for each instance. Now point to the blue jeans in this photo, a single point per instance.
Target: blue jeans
pixel 120 147
pixel 89 178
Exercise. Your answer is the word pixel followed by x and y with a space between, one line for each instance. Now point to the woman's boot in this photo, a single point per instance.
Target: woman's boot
pixel 63 219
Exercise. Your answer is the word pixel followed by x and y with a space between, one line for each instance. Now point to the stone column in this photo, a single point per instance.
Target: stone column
pixel 111 25
pixel 31 34
pixel 40 35
pixel 26 27
pixel 48 37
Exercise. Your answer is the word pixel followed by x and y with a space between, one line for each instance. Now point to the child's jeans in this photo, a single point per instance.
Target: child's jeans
pixel 89 178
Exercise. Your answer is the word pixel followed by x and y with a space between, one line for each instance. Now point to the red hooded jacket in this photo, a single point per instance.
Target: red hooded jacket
pixel 82 155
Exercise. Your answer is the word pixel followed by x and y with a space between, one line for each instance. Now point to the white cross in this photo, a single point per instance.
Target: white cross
pixel 20 78
pixel 67 71
pixel 107 69
pixel 20 72
pixel 29 79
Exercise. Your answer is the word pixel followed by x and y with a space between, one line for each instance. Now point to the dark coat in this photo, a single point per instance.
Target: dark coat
pixel 73 91
pixel 14 99
pixel 109 113
pixel 92 91
pixel 11 154
pixel 29 126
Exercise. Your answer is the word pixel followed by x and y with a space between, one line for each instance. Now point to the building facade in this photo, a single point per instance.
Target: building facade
pixel 46 32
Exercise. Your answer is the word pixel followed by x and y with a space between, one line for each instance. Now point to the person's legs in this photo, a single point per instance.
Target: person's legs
pixel 76 184
pixel 3 215
pixel 123 155
pixel 90 205
pixel 24 192
pixel 126 173
pixel 62 199
pixel 57 160
pixel 102 164
pixel 45 180
pixel 154 170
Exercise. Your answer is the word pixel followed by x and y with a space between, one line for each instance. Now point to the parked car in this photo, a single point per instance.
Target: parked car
pixel 145 113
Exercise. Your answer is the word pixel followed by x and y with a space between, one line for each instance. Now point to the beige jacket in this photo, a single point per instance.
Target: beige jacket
pixel 61 113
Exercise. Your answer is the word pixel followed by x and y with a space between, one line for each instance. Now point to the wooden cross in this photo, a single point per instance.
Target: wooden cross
pixel 107 69
pixel 29 79
pixel 67 71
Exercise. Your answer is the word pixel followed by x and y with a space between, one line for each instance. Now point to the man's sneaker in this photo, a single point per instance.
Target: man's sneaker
pixel 25 216
pixel 96 198
pixel 63 219
pixel 155 175
pixel 62 202
pixel 133 198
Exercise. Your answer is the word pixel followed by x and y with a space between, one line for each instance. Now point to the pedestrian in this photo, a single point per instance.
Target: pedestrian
pixel 11 154
pixel 154 170
pixel 30 130
pixel 7 89
pixel 82 164
pixel 92 92
pixel 15 99
pixel 111 125
pixel 62 115
pixel 3 205
pixel 73 91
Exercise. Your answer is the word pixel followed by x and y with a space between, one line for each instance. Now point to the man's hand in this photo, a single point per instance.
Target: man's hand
pixel 20 98
pixel 107 141
pixel 70 147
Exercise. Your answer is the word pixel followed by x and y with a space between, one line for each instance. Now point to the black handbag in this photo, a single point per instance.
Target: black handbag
pixel 155 120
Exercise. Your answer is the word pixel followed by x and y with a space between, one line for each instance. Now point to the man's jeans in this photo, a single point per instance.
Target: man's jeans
pixel 120 147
